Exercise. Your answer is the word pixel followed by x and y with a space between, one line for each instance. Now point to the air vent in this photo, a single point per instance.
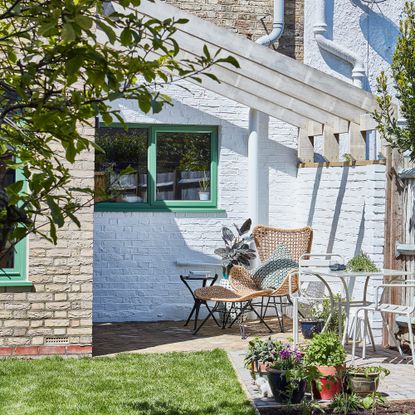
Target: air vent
pixel 57 340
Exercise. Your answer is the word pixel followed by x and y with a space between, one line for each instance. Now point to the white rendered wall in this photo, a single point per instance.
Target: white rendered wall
pixel 368 30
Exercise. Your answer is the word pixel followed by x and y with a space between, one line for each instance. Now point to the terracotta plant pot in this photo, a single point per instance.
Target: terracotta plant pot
pixel 331 382
pixel 259 367
pixel 363 385
pixel 281 389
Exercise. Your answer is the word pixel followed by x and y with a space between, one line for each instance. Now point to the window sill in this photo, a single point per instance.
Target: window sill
pixel 131 207
pixel 16 283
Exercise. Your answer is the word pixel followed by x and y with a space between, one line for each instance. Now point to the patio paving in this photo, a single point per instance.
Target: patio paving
pixel 172 336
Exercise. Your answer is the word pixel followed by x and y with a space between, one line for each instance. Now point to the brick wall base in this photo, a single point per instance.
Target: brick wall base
pixel 46 350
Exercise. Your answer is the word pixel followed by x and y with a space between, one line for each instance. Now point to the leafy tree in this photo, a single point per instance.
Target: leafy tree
pixel 403 71
pixel 63 62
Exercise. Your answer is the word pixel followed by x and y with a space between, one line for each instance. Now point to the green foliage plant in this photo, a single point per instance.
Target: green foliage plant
pixel 373 401
pixel 236 250
pixel 63 65
pixel 345 404
pixel 204 183
pixel 261 351
pixel 290 361
pixel 362 263
pixel 399 137
pixel 325 349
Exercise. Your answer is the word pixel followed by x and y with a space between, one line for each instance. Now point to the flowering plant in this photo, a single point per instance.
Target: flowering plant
pixel 287 358
pixel 289 363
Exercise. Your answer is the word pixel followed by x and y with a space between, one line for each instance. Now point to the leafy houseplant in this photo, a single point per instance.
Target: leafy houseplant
pixel 288 376
pixel 204 184
pixel 327 353
pixel 237 250
pixel 261 353
pixel 364 381
pixel 362 263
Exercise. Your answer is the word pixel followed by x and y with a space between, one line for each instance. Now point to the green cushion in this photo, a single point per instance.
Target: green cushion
pixel 271 273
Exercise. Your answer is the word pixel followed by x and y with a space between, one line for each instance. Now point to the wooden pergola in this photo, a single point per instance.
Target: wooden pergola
pixel 270 82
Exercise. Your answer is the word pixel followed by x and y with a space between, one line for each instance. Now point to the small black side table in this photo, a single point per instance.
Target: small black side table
pixel 196 306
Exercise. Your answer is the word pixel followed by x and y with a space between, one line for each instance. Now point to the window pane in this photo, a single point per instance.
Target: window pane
pixel 183 166
pixel 122 149
pixel 7 177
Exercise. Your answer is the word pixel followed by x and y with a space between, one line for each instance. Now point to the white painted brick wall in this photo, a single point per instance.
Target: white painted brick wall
pixel 135 254
pixel 135 276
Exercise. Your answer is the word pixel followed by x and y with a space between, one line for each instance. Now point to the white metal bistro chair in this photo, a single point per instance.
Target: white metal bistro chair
pixel 312 288
pixel 382 306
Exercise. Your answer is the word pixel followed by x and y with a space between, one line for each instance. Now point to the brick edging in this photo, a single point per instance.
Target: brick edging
pixel 46 350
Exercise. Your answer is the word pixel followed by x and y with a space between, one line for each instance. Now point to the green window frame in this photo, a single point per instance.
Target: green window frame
pixel 16 276
pixel 152 203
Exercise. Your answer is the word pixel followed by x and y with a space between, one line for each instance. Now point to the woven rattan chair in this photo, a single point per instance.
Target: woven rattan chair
pixel 239 297
pixel 267 239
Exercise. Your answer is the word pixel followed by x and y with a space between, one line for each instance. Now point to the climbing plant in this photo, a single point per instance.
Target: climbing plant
pixel 403 72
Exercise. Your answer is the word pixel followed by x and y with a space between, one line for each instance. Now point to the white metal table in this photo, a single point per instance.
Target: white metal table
pixel 346 278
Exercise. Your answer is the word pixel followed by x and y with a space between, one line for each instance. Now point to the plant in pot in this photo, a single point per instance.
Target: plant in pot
pixel 260 354
pixel 327 354
pixel 312 323
pixel 365 380
pixel 204 185
pixel 236 250
pixel 288 375
pixel 360 263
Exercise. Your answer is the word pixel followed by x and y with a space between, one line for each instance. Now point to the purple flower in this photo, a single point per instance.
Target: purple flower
pixel 285 354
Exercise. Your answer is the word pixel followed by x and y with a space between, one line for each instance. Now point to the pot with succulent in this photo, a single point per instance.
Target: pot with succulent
pixel 204 185
pixel 327 354
pixel 237 250
pixel 288 375
pixel 260 354
pixel 365 380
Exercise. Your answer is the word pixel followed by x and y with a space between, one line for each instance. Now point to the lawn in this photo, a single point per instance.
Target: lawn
pixel 202 383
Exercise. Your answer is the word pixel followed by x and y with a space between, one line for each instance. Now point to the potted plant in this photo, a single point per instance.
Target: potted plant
pixel 365 380
pixel 314 323
pixel 260 354
pixel 362 263
pixel 288 376
pixel 204 184
pixel 237 250
pixel 327 354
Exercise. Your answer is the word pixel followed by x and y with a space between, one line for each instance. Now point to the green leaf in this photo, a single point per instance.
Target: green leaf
pixel 83 21
pixel 68 33
pixel 55 211
pixel 144 104
pixel 107 118
pixel 126 37
pixel 127 170
pixel 73 65
pixel 112 37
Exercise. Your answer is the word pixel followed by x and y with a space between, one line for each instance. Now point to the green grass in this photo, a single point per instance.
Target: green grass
pixel 202 383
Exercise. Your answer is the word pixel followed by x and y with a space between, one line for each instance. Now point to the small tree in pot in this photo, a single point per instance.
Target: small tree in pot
pixel 237 250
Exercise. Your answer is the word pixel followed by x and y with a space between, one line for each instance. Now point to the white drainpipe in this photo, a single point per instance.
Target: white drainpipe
pixel 256 119
pixel 320 32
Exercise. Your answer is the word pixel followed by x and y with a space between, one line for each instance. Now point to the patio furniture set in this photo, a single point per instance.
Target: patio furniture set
pixel 301 277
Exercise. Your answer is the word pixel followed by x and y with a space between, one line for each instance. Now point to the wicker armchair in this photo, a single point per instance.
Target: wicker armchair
pixel 235 301
pixel 298 242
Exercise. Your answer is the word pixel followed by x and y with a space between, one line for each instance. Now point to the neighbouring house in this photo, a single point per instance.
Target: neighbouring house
pixel 268 142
